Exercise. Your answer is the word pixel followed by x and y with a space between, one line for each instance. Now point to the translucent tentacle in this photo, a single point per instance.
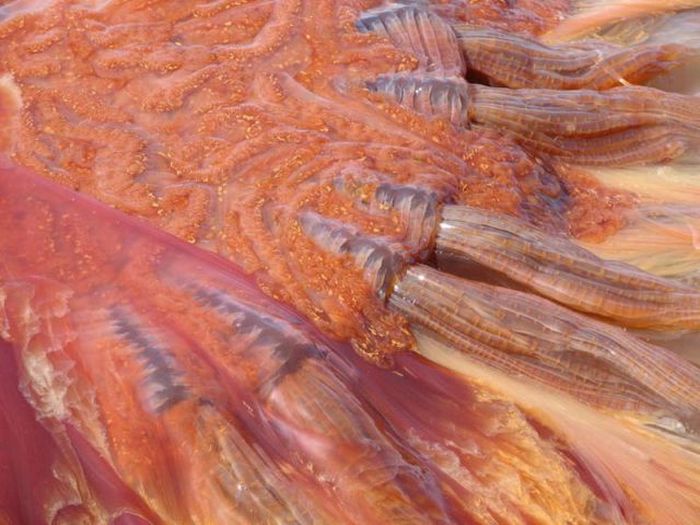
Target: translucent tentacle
pixel 530 337
pixel 563 271
pixel 414 29
pixel 627 125
pixel 509 60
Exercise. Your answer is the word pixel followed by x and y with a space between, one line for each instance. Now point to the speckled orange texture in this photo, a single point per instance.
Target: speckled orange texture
pixel 221 121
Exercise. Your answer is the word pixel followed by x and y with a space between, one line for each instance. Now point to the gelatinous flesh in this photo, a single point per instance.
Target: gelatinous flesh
pixel 509 60
pixel 225 124
pixel 526 335
pixel 346 261
pixel 160 383
pixel 557 268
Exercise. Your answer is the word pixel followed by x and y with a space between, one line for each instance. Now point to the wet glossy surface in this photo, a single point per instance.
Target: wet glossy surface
pixel 158 382
pixel 215 224
pixel 221 122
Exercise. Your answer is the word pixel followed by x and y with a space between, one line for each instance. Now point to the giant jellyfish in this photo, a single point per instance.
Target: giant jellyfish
pixel 349 261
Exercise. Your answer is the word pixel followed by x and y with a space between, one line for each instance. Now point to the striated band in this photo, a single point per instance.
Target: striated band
pixel 415 29
pixel 627 125
pixel 533 338
pixel 565 272
pixel 510 60
pixel 623 126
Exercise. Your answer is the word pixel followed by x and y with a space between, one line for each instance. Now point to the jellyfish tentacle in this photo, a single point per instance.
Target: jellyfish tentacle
pixel 411 206
pixel 413 28
pixel 378 259
pixel 622 126
pixel 522 334
pixel 561 270
pixel 587 127
pixel 418 210
pixel 439 97
pixel 550 103
pixel 513 61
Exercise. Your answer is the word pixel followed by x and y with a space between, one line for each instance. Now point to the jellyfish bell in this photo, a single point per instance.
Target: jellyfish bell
pixel 334 262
